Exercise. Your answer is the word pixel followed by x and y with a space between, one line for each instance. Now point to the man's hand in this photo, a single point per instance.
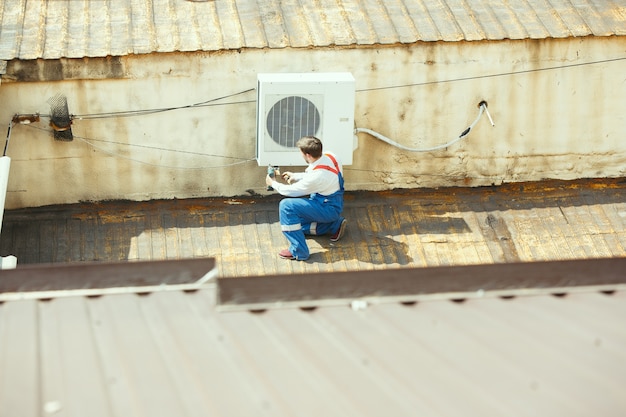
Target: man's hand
pixel 287 177
pixel 268 180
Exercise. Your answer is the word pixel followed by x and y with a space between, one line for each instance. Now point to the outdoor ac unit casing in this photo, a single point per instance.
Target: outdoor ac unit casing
pixel 292 105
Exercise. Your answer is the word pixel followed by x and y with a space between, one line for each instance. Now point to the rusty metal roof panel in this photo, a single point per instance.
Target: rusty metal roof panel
pixel 402 20
pixel 447 27
pixel 294 34
pixel 76 29
pixel 549 21
pixel 171 353
pixel 574 18
pixel 468 19
pixel 490 22
pixel 11 19
pixel 387 22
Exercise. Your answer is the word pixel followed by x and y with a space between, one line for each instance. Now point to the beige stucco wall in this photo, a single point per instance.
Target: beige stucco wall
pixel 549 123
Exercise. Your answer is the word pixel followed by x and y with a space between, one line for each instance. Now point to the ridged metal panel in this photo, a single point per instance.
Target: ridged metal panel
pixel 75 29
pixel 172 354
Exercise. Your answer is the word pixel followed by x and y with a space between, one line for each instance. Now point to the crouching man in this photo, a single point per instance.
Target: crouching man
pixel 320 213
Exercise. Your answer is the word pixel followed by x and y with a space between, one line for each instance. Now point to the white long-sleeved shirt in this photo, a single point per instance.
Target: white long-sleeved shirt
pixel 320 181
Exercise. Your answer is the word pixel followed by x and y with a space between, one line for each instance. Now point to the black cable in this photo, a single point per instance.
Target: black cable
pixel 90 140
pixel 156 148
pixel 503 74
pixel 132 113
pixel 210 103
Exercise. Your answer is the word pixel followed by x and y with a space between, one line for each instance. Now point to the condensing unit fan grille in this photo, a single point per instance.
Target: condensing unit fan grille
pixel 290 119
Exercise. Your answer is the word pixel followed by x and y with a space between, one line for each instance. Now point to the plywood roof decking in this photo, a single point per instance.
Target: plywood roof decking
pixel 76 29
pixel 552 220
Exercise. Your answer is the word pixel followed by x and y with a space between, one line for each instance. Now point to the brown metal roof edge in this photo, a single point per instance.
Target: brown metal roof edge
pixel 365 302
pixel 98 292
pixel 93 277
pixel 412 284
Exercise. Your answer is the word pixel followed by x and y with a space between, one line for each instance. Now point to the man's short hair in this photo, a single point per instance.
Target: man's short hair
pixel 310 145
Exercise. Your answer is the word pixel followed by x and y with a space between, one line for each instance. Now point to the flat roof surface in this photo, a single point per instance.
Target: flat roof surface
pixel 544 221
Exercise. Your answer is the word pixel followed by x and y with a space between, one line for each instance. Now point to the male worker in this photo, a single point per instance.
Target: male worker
pixel 319 214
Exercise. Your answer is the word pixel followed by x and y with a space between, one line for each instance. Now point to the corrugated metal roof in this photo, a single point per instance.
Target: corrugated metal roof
pixel 172 354
pixel 75 29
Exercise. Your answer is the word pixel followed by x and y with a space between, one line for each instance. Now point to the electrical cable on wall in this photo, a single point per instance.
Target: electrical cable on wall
pixel 61 120
pixel 89 141
pixel 482 108
pixel 25 119
pixel 132 113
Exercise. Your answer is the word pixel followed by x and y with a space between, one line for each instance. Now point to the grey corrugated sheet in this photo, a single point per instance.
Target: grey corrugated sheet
pixel 32 29
pixel 172 354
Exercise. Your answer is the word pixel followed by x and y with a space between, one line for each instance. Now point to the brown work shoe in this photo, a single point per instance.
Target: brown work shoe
pixel 340 232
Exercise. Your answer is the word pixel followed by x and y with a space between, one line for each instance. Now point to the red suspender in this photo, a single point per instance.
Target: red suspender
pixel 326 167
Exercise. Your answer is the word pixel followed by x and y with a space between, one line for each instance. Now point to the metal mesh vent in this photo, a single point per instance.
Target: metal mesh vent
pixel 292 118
pixel 60 119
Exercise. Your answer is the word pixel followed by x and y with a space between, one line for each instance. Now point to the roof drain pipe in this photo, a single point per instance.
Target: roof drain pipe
pixel 6 262
pixel 9 262
pixel 482 108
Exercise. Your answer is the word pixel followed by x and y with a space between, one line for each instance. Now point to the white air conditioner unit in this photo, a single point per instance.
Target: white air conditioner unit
pixel 290 106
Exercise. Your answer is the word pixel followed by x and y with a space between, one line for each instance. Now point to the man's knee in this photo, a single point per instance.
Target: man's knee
pixel 292 206
pixel 284 204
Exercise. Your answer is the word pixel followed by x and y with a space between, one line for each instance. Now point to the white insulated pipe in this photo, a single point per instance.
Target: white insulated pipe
pixel 8 262
pixel 5 164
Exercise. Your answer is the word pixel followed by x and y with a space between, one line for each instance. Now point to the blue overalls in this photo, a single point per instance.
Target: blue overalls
pixel 316 215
